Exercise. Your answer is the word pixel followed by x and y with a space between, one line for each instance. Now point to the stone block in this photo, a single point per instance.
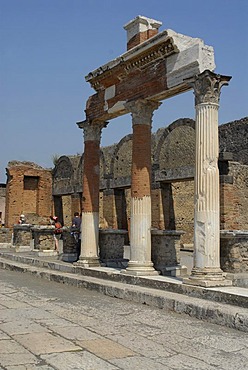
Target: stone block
pixel 166 251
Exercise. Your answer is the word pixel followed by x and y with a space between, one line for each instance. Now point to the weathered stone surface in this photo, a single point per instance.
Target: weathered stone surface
pixel 5 235
pixel 165 249
pixel 233 138
pixel 234 251
pixel 22 235
pixel 111 244
pixel 41 343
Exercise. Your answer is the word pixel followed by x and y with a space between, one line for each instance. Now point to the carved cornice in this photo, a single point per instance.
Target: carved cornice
pixel 160 51
pixel 207 86
pixel 123 66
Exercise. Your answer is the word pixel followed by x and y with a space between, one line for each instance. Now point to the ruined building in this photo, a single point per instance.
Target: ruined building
pixel 190 176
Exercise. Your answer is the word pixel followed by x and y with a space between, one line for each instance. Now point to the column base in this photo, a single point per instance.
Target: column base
pixel 46 252
pixel 136 269
pixel 207 277
pixel 87 262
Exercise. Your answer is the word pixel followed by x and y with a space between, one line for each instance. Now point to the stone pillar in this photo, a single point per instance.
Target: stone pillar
pixel 89 256
pixel 140 239
pixel 206 271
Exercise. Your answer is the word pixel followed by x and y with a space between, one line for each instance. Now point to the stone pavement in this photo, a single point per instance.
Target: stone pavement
pixel 50 326
pixel 226 306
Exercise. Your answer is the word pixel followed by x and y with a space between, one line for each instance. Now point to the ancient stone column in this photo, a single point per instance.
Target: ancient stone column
pixel 140 239
pixel 89 256
pixel 206 270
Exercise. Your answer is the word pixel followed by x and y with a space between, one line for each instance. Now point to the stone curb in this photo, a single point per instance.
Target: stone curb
pixel 208 294
pixel 214 312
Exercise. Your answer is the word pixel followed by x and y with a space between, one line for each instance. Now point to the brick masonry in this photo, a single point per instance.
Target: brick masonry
pixel 172 196
pixel 29 192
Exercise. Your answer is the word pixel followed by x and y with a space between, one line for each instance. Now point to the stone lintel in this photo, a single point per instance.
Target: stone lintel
pixel 180 173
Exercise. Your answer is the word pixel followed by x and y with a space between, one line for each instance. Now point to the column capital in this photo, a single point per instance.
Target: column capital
pixel 207 86
pixel 142 110
pixel 92 132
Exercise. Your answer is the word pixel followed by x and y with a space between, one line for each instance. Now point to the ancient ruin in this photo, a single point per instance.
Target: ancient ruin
pixel 150 195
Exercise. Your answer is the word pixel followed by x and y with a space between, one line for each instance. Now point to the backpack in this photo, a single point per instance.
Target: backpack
pixel 58 227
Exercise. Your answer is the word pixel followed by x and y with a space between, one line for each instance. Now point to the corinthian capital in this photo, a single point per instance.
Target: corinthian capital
pixel 92 132
pixel 142 110
pixel 207 86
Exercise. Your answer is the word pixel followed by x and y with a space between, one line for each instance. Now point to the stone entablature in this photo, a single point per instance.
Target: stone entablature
pixel 174 57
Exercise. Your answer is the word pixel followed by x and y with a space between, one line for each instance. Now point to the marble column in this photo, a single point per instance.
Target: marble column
pixel 140 227
pixel 206 271
pixel 89 256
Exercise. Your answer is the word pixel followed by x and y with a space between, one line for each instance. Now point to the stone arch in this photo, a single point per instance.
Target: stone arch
pixel 122 158
pixel 63 168
pixel 176 146
pixel 63 177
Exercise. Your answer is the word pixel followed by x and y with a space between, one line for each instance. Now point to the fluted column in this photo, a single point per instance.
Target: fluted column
pixel 206 270
pixel 140 224
pixel 89 256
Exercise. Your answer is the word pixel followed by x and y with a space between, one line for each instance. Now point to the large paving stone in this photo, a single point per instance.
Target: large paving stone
pixel 20 359
pixel 22 327
pixel 106 348
pixel 39 343
pixel 77 361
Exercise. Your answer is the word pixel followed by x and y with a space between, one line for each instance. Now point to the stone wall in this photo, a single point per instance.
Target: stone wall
pixel 29 192
pixel 5 235
pixel 173 161
pixel 2 203
pixel 233 137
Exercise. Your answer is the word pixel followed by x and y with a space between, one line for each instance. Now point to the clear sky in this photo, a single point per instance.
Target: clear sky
pixel 47 47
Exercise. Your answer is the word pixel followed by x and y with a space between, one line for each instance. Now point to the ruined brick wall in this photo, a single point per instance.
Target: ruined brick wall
pixel 29 191
pixel 2 202
pixel 236 201
pixel 173 161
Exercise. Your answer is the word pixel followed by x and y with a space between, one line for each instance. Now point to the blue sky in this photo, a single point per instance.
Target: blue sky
pixel 47 47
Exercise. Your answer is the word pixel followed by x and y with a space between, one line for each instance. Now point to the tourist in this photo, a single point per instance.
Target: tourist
pixel 76 230
pixel 22 220
pixel 57 231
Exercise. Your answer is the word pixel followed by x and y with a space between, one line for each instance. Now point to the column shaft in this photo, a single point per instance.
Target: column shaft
pixel 140 239
pixel 90 200
pixel 207 230
pixel 206 270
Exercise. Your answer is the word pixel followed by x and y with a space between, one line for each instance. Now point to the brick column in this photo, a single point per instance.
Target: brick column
pixel 206 271
pixel 89 256
pixel 140 238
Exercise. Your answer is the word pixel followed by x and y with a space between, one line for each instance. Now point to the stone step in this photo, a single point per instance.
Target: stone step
pixel 214 312
pixel 230 295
